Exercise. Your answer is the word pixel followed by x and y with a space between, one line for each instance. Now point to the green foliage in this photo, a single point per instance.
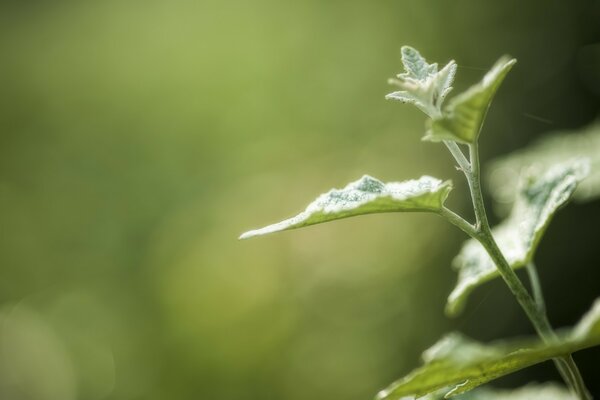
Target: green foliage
pixel 421 83
pixel 461 364
pixel 551 149
pixel 539 197
pixel 457 364
pixel 546 391
pixel 465 114
pixel 366 196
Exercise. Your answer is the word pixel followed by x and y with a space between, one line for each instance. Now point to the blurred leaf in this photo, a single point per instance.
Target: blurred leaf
pixel 464 115
pixel 551 149
pixel 519 235
pixel 421 83
pixel 35 363
pixel 461 364
pixel 366 196
pixel 548 391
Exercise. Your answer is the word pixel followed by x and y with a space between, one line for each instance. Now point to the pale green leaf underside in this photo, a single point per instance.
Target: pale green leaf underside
pixel 422 84
pixel 551 149
pixel 519 235
pixel 460 364
pixel 465 113
pixel 415 65
pixel 366 196
pixel 547 391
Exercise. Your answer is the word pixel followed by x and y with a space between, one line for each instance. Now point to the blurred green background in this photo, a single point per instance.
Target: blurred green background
pixel 139 139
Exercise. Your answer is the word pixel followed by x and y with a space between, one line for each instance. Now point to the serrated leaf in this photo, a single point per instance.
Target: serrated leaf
pixel 547 391
pixel 551 149
pixel 421 83
pixel 415 65
pixel 465 113
pixel 457 364
pixel 519 235
pixel 366 196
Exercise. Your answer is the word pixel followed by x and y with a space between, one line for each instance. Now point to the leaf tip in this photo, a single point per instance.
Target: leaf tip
pixel 407 50
pixel 277 227
pixel 391 96
pixel 453 308
pixel 582 168
pixel 246 235
pixel 505 62
pixel 502 67
pixel 382 395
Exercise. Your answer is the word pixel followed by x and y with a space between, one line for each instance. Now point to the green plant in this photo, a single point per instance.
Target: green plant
pixel 457 364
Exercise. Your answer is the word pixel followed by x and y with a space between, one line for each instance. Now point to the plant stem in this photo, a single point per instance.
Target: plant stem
pixel 580 388
pixel 473 178
pixel 538 318
pixel 536 287
pixel 458 221
pixel 565 365
pixel 458 155
pixel 576 379
pixel 483 234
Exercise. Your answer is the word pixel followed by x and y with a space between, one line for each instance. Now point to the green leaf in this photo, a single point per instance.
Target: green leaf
pixel 548 391
pixel 421 83
pixel 519 235
pixel 415 65
pixel 465 113
pixel 366 196
pixel 460 364
pixel 553 148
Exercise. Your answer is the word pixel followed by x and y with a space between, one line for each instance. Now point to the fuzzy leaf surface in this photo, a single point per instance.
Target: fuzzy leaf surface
pixel 465 113
pixel 519 235
pixel 553 148
pixel 457 364
pixel 421 83
pixel 366 196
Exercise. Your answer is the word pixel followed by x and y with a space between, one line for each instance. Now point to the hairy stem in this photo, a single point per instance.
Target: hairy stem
pixel 458 155
pixel 458 221
pixel 482 233
pixel 565 365
pixel 473 178
pixel 580 388
pixel 536 287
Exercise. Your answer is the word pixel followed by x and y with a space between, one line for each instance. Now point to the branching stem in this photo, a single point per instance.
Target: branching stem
pixel 483 234
pixel 458 155
pixel 458 221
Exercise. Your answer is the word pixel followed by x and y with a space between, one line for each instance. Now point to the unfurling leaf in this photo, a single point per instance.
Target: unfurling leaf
pixel 366 196
pixel 421 83
pixel 465 113
pixel 519 235
pixel 551 149
pixel 457 364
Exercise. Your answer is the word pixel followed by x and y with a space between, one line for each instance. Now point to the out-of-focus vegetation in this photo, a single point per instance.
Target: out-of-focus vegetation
pixel 138 139
pixel 552 148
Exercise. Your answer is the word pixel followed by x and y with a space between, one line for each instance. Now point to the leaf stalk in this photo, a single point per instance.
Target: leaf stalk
pixel 536 286
pixel 482 233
